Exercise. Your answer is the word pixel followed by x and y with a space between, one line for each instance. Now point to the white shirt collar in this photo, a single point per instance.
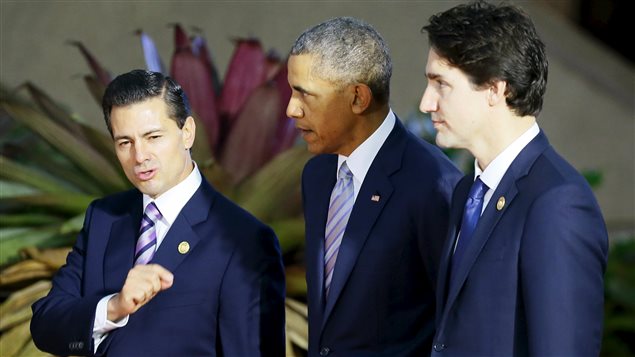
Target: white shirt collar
pixel 171 202
pixel 362 157
pixel 495 171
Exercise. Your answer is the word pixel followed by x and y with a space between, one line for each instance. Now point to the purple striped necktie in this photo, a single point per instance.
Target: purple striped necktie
pixel 342 199
pixel 147 242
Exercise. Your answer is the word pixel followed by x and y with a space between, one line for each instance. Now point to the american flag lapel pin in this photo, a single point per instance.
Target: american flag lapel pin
pixel 375 198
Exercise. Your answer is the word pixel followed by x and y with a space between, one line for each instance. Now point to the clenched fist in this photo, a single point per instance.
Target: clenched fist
pixel 143 283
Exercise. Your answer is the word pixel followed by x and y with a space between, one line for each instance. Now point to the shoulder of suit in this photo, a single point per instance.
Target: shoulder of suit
pixel 318 162
pixel 119 202
pixel 233 216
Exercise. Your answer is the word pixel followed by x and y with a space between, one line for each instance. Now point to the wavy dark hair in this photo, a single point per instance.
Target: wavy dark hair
pixel 490 43
pixel 139 85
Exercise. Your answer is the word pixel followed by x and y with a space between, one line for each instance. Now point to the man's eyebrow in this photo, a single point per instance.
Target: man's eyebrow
pixel 300 89
pixel 147 133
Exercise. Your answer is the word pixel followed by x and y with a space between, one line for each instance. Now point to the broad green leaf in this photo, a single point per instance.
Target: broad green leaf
pixel 14 171
pixel 73 225
pixel 12 240
pixel 98 139
pixel 79 152
pixel 274 191
pixel 69 203
pixel 290 233
pixel 63 170
pixel 27 220
pixel 11 189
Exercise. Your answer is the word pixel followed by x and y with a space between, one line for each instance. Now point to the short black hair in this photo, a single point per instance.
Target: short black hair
pixel 139 85
pixel 494 42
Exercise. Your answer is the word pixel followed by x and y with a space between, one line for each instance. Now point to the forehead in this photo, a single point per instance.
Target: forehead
pixel 302 74
pixel 300 67
pixel 153 110
pixel 437 64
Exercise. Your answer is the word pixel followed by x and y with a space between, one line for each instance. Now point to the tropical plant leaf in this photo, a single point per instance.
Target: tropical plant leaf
pixel 14 171
pixel 200 49
pixel 248 145
pixel 286 133
pixel 94 137
pixel 67 203
pixel 13 189
pixel 95 87
pixel 28 220
pixel 274 191
pixel 53 110
pixel 85 156
pixel 49 160
pixel 12 240
pixel 290 233
pixel 98 70
pixel 73 225
pixel 246 72
pixel 151 53
pixel 194 76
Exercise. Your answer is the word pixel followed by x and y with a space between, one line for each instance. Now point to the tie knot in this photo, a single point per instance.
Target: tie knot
pixel 344 173
pixel 477 192
pixel 152 211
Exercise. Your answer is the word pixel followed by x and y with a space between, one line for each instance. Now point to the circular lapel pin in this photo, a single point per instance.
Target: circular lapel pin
pixel 184 247
pixel 501 203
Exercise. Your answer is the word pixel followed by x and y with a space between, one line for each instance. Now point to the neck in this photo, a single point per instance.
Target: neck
pixel 368 121
pixel 502 134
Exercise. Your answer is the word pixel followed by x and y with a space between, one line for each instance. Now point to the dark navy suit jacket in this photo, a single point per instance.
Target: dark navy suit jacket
pixel 227 298
pixel 531 279
pixel 381 299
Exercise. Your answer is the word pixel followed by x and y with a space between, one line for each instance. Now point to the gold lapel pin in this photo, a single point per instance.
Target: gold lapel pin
pixel 374 198
pixel 184 247
pixel 501 203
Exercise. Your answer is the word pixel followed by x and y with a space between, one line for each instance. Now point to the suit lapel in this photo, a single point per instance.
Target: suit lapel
pixel 508 189
pixel 366 211
pixel 458 200
pixel 119 255
pixel 321 185
pixel 194 212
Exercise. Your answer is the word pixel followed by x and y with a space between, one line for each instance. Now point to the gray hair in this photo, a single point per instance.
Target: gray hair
pixel 346 51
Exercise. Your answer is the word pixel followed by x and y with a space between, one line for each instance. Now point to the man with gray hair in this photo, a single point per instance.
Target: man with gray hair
pixel 375 198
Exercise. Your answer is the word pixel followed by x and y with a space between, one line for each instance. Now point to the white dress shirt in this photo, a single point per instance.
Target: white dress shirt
pixel 495 171
pixel 170 204
pixel 362 157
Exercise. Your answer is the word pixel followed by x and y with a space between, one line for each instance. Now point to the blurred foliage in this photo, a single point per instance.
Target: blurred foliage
pixel 619 305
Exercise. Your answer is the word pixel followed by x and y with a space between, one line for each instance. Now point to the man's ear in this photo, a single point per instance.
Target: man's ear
pixel 496 93
pixel 189 132
pixel 362 98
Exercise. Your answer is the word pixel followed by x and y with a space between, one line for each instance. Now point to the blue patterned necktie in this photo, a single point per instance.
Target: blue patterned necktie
pixel 342 199
pixel 147 242
pixel 471 214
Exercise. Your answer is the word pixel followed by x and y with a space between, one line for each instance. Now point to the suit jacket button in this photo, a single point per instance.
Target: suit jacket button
pixel 439 347
pixel 324 351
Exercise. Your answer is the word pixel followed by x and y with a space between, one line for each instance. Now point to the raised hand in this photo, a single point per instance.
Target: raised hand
pixel 143 283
